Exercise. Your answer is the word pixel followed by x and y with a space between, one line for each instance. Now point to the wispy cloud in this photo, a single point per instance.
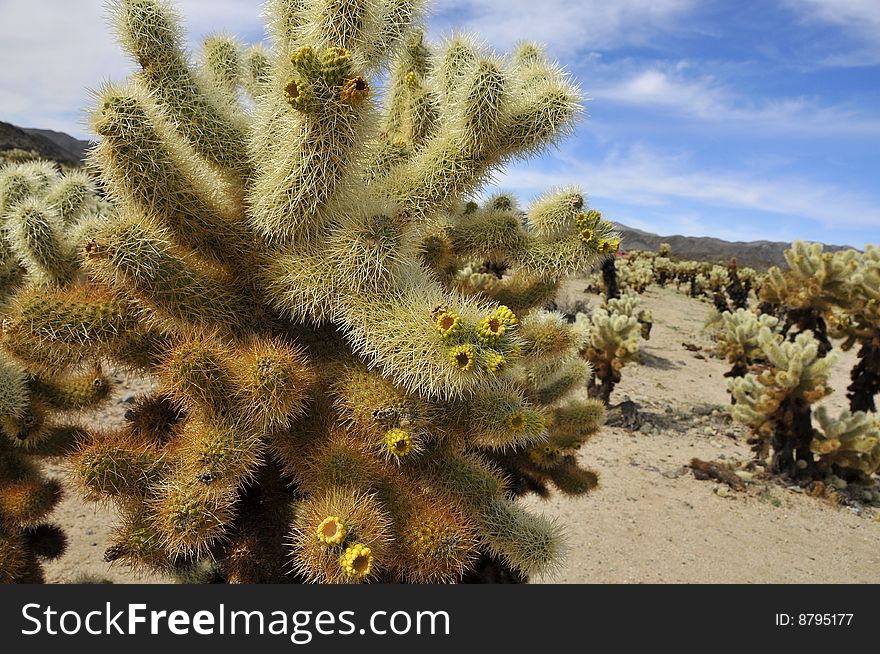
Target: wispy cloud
pixel 641 176
pixel 676 89
pixel 565 27
pixel 860 19
pixel 861 16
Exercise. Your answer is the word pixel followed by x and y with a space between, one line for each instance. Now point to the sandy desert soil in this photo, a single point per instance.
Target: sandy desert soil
pixel 650 520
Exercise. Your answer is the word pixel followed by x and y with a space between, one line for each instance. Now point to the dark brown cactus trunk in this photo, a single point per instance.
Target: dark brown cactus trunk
pixel 609 277
pixel 865 377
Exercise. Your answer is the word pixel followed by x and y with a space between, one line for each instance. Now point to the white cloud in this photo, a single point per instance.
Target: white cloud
pixel 641 176
pixel 860 19
pixel 674 89
pixel 860 16
pixel 565 27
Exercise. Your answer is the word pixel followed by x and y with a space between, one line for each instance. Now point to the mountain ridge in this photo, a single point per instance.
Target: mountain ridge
pixel 755 254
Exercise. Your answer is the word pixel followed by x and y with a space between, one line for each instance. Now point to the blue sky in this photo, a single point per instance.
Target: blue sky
pixel 745 119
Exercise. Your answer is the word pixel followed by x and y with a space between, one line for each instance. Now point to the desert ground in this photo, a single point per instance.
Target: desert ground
pixel 650 520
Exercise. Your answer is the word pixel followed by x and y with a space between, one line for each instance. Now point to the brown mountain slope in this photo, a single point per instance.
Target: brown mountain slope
pixel 54 149
pixel 756 254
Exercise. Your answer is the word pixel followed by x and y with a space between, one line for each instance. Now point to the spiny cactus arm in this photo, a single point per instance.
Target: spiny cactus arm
pixel 115 464
pixel 321 135
pixel 145 171
pixel 72 195
pixel 554 214
pixel 75 392
pixel 284 20
pixel 151 33
pixel 499 419
pixel 127 252
pixel 341 535
pixel 36 234
pixel 429 341
pixel 48 330
pixel 577 244
pixel 14 396
pixel 15 185
pixel 411 108
pixel 521 291
pixel 222 65
pixel 528 543
pixel 547 335
pixel 353 25
pixel 397 25
pixel 52 441
pixel 574 422
pixel 257 71
pixel 190 517
pixel 488 115
pixel 556 386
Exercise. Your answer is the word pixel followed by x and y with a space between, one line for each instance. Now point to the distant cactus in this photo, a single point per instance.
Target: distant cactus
pixel 736 336
pixel 814 283
pixel 609 340
pixel 341 399
pixel 636 275
pixel 776 403
pixel 737 288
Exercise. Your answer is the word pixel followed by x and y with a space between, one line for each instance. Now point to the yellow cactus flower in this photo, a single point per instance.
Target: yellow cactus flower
pixel 462 357
pixel 517 422
pixel 333 56
pixel 586 235
pixel 506 315
pixel 398 442
pixel 292 93
pixel 588 218
pixel 357 561
pixel 496 362
pixel 411 79
pixel 332 530
pixel 490 329
pixel 302 54
pixel 605 246
pixel 448 324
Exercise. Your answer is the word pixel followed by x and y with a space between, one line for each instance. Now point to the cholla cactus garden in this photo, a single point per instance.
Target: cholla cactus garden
pixel 332 405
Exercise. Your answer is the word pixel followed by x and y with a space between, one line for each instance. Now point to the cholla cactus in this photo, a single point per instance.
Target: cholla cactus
pixel 327 396
pixel 848 444
pixel 738 287
pixel 663 269
pixel 736 336
pixel 38 212
pixel 608 342
pixel 776 403
pixel 859 323
pixel 814 284
pixel 628 304
pixel 38 207
pixel 636 274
